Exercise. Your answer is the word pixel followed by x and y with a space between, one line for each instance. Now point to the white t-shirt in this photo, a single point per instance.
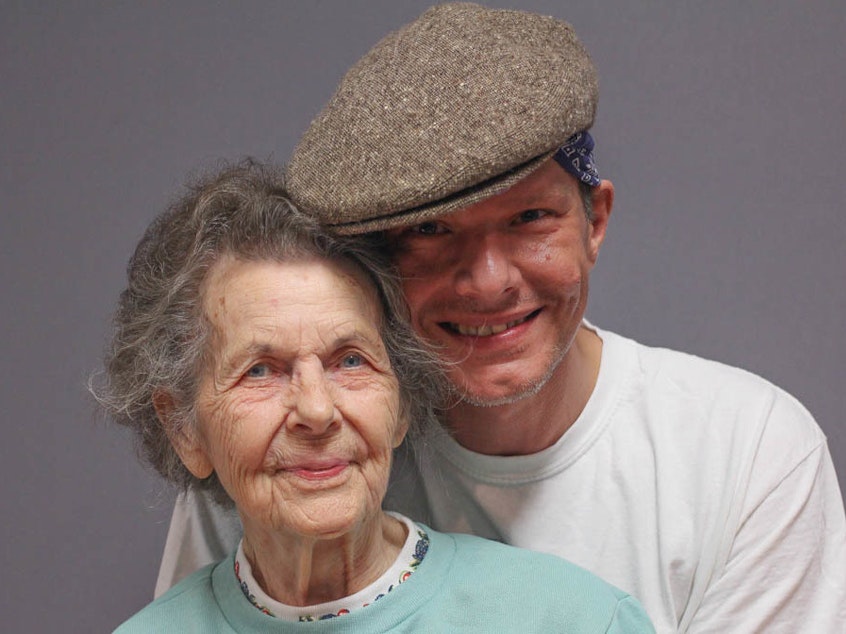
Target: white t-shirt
pixel 702 490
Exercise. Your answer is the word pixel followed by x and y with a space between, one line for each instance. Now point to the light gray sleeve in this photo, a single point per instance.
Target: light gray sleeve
pixel 200 532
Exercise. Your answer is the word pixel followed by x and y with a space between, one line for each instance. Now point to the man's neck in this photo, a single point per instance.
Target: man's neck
pixel 536 422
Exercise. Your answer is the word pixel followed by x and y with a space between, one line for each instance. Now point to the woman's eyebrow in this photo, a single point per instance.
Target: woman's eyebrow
pixel 369 343
pixel 228 363
pixel 262 348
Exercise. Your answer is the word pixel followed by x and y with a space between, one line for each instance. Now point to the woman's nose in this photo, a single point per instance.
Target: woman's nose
pixel 313 409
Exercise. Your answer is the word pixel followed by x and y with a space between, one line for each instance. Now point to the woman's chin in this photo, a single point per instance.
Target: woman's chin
pixel 327 521
pixel 328 508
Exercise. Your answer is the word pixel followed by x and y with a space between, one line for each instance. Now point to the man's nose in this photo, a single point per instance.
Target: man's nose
pixel 313 408
pixel 485 267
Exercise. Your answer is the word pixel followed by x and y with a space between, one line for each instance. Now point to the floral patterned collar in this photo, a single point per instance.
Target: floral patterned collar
pixel 412 553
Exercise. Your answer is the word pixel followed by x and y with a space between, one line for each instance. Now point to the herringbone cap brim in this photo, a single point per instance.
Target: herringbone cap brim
pixel 451 109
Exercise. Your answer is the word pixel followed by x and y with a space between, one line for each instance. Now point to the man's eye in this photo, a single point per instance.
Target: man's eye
pixel 352 360
pixel 531 215
pixel 427 229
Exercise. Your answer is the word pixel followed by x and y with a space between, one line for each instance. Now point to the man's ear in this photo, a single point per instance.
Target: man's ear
pixel 184 438
pixel 602 199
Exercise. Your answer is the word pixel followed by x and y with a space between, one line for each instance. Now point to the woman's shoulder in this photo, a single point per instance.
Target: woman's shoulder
pixel 186 605
pixel 544 584
pixel 477 552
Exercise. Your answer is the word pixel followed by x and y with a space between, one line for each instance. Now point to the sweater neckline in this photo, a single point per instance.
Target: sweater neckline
pixel 397 606
pixel 408 560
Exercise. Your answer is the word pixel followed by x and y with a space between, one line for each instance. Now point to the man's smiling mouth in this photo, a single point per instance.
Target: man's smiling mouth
pixel 486 330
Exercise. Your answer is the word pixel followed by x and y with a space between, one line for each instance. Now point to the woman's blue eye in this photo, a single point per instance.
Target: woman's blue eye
pixel 258 371
pixel 352 361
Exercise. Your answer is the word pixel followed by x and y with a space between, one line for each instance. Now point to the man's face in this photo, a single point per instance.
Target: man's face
pixel 501 286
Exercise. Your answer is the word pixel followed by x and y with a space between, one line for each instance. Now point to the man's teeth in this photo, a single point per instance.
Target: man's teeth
pixel 487 330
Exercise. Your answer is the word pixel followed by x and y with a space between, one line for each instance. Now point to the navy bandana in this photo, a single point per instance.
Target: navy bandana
pixel 576 156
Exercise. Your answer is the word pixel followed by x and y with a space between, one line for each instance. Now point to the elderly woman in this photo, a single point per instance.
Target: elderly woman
pixel 257 357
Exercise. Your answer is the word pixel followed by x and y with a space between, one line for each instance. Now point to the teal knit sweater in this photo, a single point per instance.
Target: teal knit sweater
pixel 464 584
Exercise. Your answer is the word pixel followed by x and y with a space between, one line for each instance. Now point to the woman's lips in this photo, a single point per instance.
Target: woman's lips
pixel 317 472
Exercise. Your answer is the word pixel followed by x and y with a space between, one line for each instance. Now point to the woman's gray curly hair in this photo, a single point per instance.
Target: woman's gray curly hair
pixel 160 336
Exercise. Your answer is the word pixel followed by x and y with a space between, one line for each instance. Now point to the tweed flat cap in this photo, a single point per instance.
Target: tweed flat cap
pixel 450 109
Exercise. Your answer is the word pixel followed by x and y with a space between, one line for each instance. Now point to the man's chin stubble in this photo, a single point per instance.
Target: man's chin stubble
pixel 523 391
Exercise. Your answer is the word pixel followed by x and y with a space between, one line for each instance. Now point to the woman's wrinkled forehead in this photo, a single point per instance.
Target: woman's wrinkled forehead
pixel 344 267
pixel 256 300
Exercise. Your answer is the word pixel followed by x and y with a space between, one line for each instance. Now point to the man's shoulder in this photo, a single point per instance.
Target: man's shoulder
pixel 694 376
pixel 536 568
pixel 656 358
pixel 672 383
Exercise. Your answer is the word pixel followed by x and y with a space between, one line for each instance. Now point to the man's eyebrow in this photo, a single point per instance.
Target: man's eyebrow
pixel 535 199
pixel 542 197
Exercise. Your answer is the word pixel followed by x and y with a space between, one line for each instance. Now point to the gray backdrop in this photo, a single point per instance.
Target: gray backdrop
pixel 721 124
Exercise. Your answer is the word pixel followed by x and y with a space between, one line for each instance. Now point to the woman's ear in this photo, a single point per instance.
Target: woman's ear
pixel 184 438
pixel 401 429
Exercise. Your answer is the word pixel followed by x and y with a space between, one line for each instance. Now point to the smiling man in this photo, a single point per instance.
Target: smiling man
pixel 461 143
pixel 500 288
